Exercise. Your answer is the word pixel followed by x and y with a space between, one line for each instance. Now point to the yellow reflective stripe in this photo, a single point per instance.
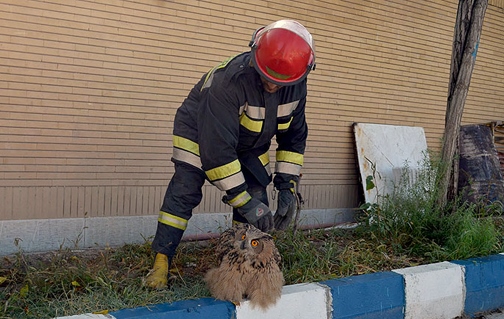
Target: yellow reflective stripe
pixel 230 182
pixel 284 126
pixel 287 109
pixel 287 168
pixel 291 157
pixel 186 144
pixel 240 200
pixel 187 157
pixel 250 124
pixel 264 158
pixel 210 75
pixel 276 74
pixel 265 161
pixel 172 220
pixel 224 171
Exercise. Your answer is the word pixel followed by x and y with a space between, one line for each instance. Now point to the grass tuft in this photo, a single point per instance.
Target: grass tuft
pixel 405 229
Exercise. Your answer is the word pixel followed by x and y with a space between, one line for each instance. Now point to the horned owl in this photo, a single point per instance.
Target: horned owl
pixel 249 267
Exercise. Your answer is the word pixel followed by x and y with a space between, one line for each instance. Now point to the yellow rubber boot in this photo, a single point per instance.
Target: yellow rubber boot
pixel 158 276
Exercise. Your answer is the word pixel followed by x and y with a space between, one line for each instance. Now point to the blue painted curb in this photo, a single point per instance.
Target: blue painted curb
pixel 204 308
pixel 378 295
pixel 484 283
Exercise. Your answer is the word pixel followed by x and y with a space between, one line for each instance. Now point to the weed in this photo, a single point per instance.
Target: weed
pixel 409 220
pixel 405 228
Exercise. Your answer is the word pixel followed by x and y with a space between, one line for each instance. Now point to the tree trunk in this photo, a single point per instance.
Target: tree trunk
pixel 466 38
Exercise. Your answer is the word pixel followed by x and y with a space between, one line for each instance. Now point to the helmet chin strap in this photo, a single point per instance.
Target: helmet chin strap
pixel 252 42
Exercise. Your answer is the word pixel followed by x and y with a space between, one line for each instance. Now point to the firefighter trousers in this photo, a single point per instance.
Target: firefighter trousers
pixel 183 194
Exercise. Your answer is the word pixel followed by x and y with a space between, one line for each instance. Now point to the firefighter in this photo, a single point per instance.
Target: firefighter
pixel 222 133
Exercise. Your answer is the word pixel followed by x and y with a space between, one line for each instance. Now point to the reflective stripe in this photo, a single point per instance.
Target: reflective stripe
pixel 276 74
pixel 255 112
pixel 267 167
pixel 287 109
pixel 287 168
pixel 265 161
pixel 291 157
pixel 187 157
pixel 210 74
pixel 240 200
pixel 208 80
pixel 284 126
pixel 172 220
pixel 186 144
pixel 230 182
pixel 250 124
pixel 224 171
pixel 264 158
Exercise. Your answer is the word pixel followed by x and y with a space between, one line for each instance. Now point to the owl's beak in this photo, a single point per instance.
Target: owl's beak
pixel 243 245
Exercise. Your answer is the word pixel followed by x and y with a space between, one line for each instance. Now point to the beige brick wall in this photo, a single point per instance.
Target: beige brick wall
pixel 89 89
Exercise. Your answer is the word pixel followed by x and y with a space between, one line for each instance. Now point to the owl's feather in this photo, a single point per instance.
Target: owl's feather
pixel 249 267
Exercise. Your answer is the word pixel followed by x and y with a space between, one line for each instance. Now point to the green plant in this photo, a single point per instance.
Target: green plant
pixel 405 228
pixel 409 220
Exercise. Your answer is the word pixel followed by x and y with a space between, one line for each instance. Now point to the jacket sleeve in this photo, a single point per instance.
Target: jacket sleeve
pixel 218 133
pixel 292 143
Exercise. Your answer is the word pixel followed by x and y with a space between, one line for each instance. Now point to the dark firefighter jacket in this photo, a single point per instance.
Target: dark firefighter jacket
pixel 227 123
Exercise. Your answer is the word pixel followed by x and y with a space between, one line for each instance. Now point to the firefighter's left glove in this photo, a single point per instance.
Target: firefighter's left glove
pixel 258 214
pixel 286 204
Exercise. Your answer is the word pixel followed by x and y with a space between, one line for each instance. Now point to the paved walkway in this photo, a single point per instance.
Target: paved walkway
pixel 497 315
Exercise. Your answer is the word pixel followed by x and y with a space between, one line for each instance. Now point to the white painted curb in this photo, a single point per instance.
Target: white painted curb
pixel 434 291
pixel 297 301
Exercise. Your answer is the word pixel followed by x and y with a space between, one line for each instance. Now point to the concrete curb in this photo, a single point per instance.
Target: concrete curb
pixel 442 290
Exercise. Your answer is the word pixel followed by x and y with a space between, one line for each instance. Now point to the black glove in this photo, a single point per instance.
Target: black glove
pixel 285 210
pixel 286 205
pixel 258 214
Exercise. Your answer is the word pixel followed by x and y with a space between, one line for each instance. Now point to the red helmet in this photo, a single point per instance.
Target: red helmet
pixel 283 52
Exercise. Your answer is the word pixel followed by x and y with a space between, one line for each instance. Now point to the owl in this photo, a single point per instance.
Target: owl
pixel 249 267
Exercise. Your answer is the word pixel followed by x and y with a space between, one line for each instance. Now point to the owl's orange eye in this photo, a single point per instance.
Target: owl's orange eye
pixel 243 236
pixel 254 243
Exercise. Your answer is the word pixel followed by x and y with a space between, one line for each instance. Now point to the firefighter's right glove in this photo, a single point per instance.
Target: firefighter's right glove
pixel 258 214
pixel 252 209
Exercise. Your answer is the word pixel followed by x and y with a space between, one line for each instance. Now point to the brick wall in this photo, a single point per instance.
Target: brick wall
pixel 89 90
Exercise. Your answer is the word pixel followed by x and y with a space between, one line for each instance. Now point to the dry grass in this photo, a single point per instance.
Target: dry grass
pixel 69 282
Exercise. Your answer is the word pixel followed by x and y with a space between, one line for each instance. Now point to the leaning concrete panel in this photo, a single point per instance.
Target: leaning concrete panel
pixel 384 151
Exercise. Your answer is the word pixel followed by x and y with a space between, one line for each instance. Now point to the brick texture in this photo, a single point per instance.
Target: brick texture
pixel 89 90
